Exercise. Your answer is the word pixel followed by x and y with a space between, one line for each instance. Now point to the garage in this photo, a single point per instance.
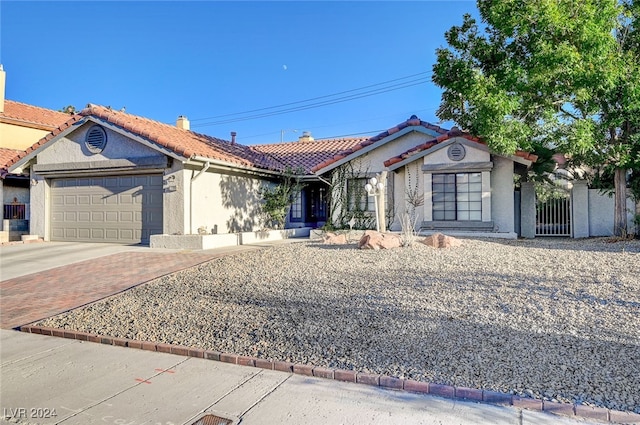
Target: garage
pixel 117 209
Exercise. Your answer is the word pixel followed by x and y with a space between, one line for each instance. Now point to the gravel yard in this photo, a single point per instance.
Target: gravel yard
pixel 546 318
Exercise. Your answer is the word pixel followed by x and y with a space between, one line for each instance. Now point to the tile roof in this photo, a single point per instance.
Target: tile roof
pixel 307 154
pixel 413 121
pixel 6 155
pixel 454 132
pixel 185 143
pixel 32 116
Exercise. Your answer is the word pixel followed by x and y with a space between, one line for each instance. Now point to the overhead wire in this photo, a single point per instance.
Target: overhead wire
pixel 312 99
pixel 361 95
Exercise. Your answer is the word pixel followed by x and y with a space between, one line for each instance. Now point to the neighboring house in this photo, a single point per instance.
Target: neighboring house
pixel 21 125
pixel 109 176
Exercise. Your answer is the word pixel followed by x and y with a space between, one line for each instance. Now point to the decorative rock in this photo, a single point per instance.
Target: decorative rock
pixel 438 240
pixel 376 240
pixel 334 239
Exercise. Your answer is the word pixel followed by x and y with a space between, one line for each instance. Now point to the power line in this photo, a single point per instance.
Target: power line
pixel 369 93
pixel 311 99
pixel 413 111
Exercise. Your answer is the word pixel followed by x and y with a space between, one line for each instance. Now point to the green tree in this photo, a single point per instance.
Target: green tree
pixel 541 74
pixel 278 198
pixel 69 109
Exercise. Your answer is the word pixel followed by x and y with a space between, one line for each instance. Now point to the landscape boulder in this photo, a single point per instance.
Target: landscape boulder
pixel 438 240
pixel 376 240
pixel 334 239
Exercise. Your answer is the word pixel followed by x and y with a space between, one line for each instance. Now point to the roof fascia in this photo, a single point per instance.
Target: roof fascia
pixel 373 146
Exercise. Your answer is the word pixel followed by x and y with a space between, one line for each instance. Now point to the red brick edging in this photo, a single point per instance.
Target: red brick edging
pixel 447 391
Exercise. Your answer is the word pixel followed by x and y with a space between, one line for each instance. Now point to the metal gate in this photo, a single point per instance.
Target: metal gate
pixel 553 215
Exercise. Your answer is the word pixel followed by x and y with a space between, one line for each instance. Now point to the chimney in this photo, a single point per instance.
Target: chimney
pixel 2 81
pixel 306 137
pixel 233 137
pixel 183 122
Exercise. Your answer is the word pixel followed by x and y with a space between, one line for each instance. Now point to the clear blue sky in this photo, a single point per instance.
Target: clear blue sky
pixel 206 59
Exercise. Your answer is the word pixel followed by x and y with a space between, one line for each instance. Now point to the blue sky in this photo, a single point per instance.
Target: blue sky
pixel 207 59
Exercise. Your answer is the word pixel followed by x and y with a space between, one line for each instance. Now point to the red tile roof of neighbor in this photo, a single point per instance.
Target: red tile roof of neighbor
pixel 454 132
pixel 32 116
pixel 6 155
pixel 308 154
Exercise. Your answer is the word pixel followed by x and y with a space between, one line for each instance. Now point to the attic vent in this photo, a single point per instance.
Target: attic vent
pixel 456 152
pixel 96 139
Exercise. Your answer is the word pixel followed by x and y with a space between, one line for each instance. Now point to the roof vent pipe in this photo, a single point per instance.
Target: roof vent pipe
pixel 233 137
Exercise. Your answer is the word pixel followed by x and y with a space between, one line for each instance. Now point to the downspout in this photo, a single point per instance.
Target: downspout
pixel 205 167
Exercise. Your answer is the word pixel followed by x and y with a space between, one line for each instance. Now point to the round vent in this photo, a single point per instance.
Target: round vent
pixel 456 152
pixel 96 139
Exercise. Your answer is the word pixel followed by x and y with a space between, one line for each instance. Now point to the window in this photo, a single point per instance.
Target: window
pixel 296 207
pixel 357 195
pixel 457 196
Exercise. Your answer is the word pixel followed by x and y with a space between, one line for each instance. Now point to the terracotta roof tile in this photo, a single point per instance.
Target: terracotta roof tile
pixel 32 116
pixel 413 121
pixel 6 156
pixel 184 142
pixel 309 154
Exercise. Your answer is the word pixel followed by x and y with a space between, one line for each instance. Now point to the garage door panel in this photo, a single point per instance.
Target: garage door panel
pixel 125 209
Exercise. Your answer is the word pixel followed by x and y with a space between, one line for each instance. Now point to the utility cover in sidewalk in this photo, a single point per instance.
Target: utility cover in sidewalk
pixel 212 420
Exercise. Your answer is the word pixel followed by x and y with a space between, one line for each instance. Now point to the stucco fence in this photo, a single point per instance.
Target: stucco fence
pixel 592 212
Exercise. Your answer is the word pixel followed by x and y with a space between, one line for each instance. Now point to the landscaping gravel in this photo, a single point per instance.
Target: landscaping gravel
pixel 554 319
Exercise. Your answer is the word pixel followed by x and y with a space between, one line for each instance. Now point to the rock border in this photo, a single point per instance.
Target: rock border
pixel 383 381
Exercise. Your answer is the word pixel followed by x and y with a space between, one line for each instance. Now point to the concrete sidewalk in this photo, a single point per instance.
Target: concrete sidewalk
pixel 90 383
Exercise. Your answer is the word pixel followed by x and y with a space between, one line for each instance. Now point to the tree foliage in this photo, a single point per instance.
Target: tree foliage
pixel 69 109
pixel 548 75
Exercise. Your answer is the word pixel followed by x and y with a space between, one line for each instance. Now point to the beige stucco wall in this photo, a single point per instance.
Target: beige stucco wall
pixel 373 161
pixel 73 149
pixel 39 196
pixel 409 178
pixel 439 156
pixel 502 193
pixel 221 201
pixel 17 137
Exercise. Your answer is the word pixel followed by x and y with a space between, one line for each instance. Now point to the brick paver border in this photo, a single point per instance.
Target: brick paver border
pixel 388 382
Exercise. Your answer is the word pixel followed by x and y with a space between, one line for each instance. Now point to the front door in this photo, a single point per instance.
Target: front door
pixel 316 203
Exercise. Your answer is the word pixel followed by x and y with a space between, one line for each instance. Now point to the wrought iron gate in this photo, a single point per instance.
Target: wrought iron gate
pixel 553 215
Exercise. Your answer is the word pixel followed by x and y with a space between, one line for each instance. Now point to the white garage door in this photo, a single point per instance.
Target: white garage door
pixel 122 209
